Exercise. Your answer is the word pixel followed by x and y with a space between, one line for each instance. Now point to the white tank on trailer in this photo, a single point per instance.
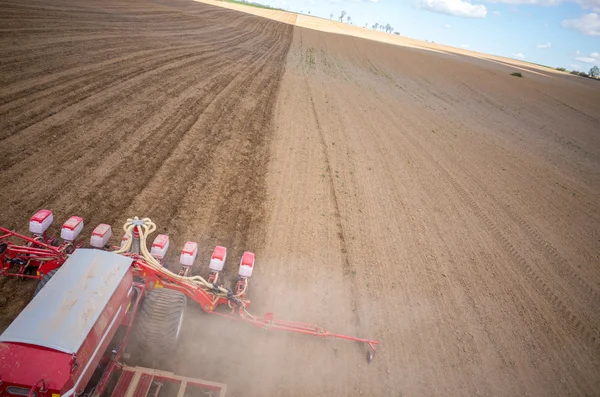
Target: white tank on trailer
pixel 71 228
pixel 217 259
pixel 246 265
pixel 160 246
pixel 101 235
pixel 40 221
pixel 189 253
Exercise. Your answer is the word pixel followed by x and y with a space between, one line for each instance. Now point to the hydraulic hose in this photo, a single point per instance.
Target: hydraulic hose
pixel 144 228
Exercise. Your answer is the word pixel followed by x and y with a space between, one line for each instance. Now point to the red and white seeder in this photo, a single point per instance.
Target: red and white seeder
pixel 70 339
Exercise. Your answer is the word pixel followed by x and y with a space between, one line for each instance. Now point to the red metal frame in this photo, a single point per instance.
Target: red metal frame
pixel 138 381
pixel 113 365
pixel 209 303
pixel 46 257
pixel 238 306
pixel 126 382
pixel 36 253
pixel 34 250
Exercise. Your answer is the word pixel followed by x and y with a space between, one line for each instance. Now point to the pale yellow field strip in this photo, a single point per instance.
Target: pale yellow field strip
pixel 310 22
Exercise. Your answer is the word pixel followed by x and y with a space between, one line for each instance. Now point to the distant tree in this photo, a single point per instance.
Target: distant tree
pixel 309 13
pixel 397 33
pixel 575 72
pixel 376 26
pixel 330 16
pixel 342 15
pixel 583 74
pixel 594 72
pixel 366 25
pixel 388 27
pixel 348 18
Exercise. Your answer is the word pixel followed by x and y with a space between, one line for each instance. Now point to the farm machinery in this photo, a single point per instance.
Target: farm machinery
pixel 39 254
pixel 70 340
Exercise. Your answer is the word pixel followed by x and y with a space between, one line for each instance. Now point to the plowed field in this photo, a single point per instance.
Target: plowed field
pixel 426 199
pixel 114 108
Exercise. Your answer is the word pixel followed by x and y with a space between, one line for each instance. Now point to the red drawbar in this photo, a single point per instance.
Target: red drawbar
pixel 72 222
pixel 160 241
pixel 41 215
pixel 219 253
pixel 101 230
pixel 248 259
pixel 189 248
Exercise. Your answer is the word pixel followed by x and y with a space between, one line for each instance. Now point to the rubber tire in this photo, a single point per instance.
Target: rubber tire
pixel 160 320
pixel 44 281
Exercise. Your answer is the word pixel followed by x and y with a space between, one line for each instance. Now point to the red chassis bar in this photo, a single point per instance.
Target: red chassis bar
pixel 209 303
pixel 37 254
pixel 137 381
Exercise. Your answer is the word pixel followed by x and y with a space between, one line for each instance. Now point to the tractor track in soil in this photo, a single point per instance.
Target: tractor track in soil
pixel 345 257
pixel 162 109
pixel 580 290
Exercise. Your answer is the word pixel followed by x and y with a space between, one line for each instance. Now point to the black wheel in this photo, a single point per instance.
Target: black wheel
pixel 3 247
pixel 69 249
pixel 44 281
pixel 160 320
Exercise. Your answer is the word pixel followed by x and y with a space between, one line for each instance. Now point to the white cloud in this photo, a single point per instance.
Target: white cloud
pixel 533 2
pixel 588 24
pixel 585 4
pixel 455 7
pixel 544 46
pixel 575 66
pixel 589 4
pixel 519 55
pixel 593 58
pixel 447 26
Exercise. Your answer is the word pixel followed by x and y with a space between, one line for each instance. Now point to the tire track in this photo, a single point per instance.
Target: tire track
pixel 175 119
pixel 210 57
pixel 563 268
pixel 113 93
pixel 236 220
pixel 91 84
pixel 108 65
pixel 346 265
pixel 582 327
pixel 103 191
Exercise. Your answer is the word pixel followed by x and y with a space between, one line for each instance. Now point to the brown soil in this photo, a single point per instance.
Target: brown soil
pixel 428 200
pixel 115 109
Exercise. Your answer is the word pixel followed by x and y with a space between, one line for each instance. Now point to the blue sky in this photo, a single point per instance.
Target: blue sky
pixel 558 33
